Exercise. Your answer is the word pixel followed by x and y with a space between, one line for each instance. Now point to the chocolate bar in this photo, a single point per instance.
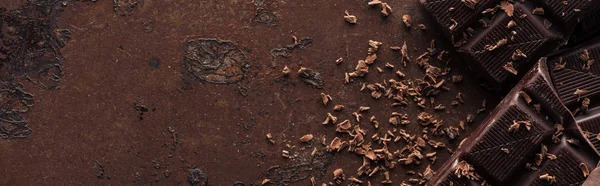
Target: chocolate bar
pixel 586 29
pixel 531 138
pixel 501 40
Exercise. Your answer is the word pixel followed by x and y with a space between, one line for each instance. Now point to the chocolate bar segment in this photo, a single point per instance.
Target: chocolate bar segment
pixel 567 13
pixel 587 28
pixel 566 168
pixel 486 53
pixel 575 70
pixel 529 130
pixel 501 40
pixel 454 16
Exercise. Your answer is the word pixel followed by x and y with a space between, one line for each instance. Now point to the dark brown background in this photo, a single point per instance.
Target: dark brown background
pixel 91 117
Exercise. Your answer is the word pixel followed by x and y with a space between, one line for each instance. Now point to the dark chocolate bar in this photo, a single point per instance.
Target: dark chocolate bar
pixel 577 82
pixel 529 139
pixel 501 40
pixel 586 29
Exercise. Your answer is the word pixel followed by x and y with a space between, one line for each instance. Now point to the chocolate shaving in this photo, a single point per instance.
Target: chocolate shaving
pixel 511 24
pixel 509 68
pixel 453 26
pixel 538 11
pixel 386 9
pixel 407 20
pixel 517 54
pixel 464 169
pixel 497 45
pixel 404 51
pixel 560 65
pixel 584 169
pixel 349 18
pixel 326 98
pixel 517 124
pixel 579 93
pixel 470 3
pixel 306 138
pixel 507 7
pixel 548 178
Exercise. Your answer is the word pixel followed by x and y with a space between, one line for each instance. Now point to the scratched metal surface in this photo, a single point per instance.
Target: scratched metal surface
pixel 110 63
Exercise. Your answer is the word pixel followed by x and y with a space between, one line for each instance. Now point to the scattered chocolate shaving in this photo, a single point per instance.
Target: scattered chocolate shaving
pixel 363 109
pixel 374 2
pixel 470 118
pixel 339 61
pixel 335 145
pixel 483 107
pixel 464 169
pixel 584 169
pixel 538 11
pixel 560 65
pixel 386 9
pixel 338 176
pixel 355 180
pixel 511 24
pixel 525 97
pixel 349 18
pixel 490 10
pixel 497 45
pixel 374 121
pixel 585 103
pixel 405 57
pixel 550 179
pixel 270 138
pixel 326 98
pixel 388 65
pixel 459 97
pixel 330 119
pixel 517 124
pixel 285 71
pixel 470 3
pixel 338 108
pixel 407 20
pixel 507 7
pixel 422 27
pixel 387 180
pixel 344 126
pixel 579 93
pixel 509 68
pixel 557 133
pixel 453 25
pixel 439 107
pixel 306 138
pixel 518 54
pixel 265 181
pixel 585 58
pixel 357 116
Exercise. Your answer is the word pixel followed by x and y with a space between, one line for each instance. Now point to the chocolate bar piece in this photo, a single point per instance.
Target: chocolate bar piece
pixel 587 28
pixel 527 39
pixel 577 82
pixel 501 40
pixel 529 139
